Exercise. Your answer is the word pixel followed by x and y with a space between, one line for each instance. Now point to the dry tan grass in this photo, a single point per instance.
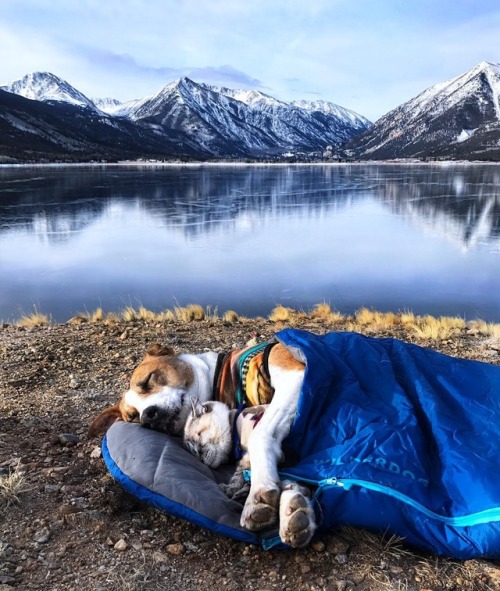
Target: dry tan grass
pixel 35 319
pixel 129 314
pixel 166 316
pixel 190 313
pixel 11 488
pixel 376 321
pixel 230 317
pixel 487 329
pixel 429 327
pixel 112 318
pixel 146 315
pixel 212 314
pixel 450 574
pixel 325 314
pixel 281 314
pixel 96 315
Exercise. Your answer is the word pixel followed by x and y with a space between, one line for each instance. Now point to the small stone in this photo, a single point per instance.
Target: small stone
pixel 68 438
pixel 318 546
pixel 123 336
pixel 175 549
pixel 52 488
pixel 42 536
pixel 121 545
pixel 6 582
pixel 159 557
pixel 73 384
pixel 341 558
pixel 96 453
pixel 109 542
pixel 305 568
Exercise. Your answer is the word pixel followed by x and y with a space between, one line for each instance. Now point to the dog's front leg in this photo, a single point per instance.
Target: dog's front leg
pixel 264 448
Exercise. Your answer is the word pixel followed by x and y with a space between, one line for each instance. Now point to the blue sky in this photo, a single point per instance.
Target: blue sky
pixel 367 55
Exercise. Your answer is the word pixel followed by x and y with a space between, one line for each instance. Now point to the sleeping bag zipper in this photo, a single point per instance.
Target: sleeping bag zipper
pixel 486 516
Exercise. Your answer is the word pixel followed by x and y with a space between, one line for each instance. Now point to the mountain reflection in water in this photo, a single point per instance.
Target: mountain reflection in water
pixel 425 238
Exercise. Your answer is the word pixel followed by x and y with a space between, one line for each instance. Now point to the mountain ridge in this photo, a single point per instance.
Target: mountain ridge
pixel 453 118
pixel 223 121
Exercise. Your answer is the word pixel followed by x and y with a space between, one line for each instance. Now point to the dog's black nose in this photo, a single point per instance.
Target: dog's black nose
pixel 149 414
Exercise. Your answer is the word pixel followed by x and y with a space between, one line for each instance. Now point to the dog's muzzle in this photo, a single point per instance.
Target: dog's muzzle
pixel 159 419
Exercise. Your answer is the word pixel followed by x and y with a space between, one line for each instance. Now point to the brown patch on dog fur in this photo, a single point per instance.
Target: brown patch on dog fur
pixel 282 357
pixel 160 367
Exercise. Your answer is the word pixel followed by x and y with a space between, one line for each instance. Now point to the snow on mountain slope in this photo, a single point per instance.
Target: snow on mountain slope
pixel 243 120
pixel 446 119
pixel 46 87
pixel 336 110
pixel 222 121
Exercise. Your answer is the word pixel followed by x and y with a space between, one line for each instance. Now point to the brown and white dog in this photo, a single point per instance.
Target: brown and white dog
pixel 160 394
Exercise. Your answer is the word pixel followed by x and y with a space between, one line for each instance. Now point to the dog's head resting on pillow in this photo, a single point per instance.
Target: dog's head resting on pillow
pixel 160 390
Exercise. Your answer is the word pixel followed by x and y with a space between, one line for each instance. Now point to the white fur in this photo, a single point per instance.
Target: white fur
pixel 265 444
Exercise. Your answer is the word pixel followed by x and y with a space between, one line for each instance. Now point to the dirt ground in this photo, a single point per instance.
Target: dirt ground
pixel 72 527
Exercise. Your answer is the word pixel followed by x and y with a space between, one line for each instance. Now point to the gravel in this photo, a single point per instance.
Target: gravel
pixel 70 526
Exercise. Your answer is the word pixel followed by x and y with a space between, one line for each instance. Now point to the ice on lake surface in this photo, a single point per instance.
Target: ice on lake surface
pixel 393 237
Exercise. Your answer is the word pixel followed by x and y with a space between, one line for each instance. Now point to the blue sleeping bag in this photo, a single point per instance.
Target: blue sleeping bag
pixel 392 437
pixel 399 438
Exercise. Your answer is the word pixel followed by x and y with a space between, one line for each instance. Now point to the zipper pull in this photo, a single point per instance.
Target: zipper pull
pixel 330 482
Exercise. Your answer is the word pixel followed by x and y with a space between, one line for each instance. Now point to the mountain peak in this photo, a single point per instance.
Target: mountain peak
pixel 446 118
pixel 45 86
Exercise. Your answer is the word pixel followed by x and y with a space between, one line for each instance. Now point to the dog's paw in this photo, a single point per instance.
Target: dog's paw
pixel 297 519
pixel 261 509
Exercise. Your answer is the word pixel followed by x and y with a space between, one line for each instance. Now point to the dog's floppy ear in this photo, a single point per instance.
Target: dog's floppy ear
pixel 158 350
pixel 104 421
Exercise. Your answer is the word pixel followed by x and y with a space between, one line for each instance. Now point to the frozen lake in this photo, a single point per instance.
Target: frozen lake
pixel 424 238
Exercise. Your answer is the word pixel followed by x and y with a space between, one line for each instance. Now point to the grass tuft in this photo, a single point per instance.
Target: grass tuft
pixel 487 329
pixel 129 314
pixel 325 314
pixel 146 315
pixel 166 316
pixel 35 319
pixel 190 313
pixel 230 317
pixel 281 314
pixel 429 327
pixel 96 315
pixel 374 320
pixel 11 487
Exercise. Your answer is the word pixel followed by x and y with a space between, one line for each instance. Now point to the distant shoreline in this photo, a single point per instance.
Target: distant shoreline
pixel 135 164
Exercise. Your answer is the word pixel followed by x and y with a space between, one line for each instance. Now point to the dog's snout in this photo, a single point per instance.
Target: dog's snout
pixel 160 419
pixel 149 414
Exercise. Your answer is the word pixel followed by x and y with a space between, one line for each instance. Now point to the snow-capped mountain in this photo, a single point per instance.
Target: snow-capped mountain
pixel 455 117
pixel 32 130
pixel 220 121
pixel 226 121
pixel 107 105
pixel 46 87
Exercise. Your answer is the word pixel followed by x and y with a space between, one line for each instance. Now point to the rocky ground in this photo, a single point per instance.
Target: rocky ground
pixel 65 524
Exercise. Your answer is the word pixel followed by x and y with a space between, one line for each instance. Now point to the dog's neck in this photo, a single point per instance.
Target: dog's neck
pixel 203 366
